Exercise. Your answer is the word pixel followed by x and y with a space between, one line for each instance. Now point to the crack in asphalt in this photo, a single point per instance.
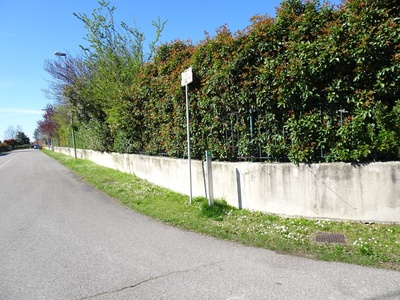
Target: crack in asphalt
pixel 149 279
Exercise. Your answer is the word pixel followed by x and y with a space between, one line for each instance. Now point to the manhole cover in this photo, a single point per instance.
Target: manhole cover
pixel 334 238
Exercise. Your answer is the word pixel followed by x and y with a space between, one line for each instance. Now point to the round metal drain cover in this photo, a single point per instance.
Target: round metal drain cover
pixel 334 238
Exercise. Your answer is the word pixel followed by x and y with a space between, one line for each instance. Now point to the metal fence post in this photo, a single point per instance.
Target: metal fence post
pixel 210 192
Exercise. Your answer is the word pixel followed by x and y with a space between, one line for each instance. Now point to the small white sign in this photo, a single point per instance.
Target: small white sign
pixel 187 76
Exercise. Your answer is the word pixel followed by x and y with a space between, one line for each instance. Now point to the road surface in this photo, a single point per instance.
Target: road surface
pixel 61 239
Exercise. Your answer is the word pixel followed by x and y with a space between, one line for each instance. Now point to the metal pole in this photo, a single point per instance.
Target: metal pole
pixel 58 53
pixel 73 136
pixel 188 143
pixel 209 179
pixel 341 115
pixel 251 134
pixel 73 141
pixel 72 123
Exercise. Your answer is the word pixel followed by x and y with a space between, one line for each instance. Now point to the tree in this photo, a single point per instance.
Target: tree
pixel 11 142
pixel 95 88
pixel 114 57
pixel 37 134
pixel 22 138
pixel 48 125
pixel 64 72
pixel 11 132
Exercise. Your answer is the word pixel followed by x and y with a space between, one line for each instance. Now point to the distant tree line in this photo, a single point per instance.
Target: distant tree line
pixel 14 137
pixel 314 83
pixel 11 144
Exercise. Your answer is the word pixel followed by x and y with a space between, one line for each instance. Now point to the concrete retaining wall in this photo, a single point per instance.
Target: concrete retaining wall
pixel 368 192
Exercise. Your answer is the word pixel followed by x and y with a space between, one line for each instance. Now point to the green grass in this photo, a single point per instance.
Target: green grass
pixel 375 245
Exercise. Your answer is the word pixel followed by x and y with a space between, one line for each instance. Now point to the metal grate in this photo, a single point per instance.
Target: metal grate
pixel 334 238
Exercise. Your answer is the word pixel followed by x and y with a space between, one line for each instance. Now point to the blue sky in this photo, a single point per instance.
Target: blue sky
pixel 31 31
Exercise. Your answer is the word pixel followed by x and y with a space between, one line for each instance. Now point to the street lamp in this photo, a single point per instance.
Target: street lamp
pixel 58 53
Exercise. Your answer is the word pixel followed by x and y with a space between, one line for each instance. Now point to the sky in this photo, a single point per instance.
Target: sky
pixel 31 31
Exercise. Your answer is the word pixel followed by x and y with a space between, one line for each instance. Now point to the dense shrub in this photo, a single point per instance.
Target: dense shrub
pixel 314 83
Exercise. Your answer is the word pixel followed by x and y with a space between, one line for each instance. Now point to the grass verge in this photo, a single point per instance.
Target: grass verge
pixel 375 245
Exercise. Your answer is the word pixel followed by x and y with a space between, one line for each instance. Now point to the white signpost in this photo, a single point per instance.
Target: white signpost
pixel 187 77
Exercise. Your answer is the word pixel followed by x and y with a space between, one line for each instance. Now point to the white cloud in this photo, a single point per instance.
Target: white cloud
pixel 21 111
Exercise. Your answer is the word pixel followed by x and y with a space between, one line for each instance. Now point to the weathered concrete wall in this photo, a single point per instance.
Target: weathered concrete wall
pixel 368 192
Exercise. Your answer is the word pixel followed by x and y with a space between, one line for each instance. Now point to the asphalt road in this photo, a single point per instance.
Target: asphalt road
pixel 61 239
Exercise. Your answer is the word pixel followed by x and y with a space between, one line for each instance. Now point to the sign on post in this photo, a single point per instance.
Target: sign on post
pixel 187 77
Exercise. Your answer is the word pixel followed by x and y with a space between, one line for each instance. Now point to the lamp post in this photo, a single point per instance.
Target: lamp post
pixel 58 53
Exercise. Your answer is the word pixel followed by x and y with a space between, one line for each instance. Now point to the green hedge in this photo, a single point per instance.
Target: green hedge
pixel 315 83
